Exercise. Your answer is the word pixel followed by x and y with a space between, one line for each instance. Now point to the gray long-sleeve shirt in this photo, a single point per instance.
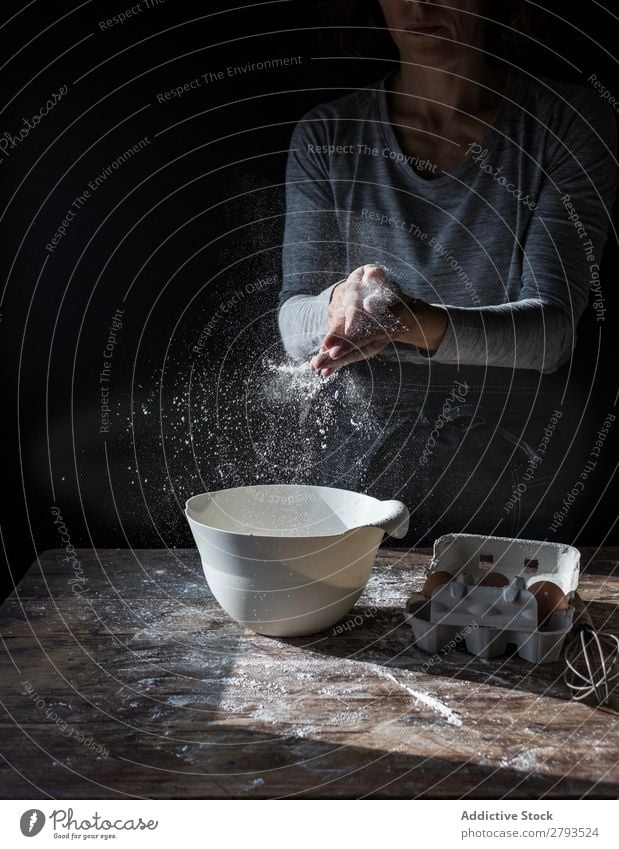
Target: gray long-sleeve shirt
pixel 509 242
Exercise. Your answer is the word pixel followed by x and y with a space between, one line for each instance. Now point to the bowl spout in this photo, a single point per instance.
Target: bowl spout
pixel 391 516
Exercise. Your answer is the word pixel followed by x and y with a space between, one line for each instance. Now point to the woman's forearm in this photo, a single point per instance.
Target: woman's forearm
pixel 528 334
pixel 303 323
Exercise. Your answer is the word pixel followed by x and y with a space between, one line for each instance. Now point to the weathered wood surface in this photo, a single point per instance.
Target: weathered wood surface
pixel 133 683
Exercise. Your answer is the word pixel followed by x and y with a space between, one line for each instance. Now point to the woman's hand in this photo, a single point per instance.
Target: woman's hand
pixel 367 312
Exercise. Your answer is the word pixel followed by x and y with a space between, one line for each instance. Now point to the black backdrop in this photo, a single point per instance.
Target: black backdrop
pixel 170 232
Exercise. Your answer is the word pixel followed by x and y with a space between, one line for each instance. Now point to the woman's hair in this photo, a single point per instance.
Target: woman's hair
pixel 361 28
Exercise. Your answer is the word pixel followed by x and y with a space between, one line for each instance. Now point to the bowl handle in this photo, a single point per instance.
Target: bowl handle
pixel 393 520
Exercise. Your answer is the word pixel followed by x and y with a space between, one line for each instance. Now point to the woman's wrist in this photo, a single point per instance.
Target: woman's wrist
pixel 334 287
pixel 425 325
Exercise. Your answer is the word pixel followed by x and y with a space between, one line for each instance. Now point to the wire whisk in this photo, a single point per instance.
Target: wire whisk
pixel 590 658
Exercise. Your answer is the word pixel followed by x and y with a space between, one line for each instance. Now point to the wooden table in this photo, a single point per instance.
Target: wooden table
pixel 121 677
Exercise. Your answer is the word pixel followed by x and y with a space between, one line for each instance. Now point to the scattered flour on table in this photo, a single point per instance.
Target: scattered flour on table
pixel 432 702
pixel 533 760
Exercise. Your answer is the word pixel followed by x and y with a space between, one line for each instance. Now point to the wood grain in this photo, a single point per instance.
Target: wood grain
pixel 134 683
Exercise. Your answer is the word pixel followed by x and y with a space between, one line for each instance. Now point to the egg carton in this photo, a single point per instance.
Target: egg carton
pixel 487 620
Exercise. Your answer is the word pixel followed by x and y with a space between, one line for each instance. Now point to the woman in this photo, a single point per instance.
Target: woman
pixel 442 229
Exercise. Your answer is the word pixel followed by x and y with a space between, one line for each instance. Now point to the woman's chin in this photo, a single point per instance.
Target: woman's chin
pixel 417 47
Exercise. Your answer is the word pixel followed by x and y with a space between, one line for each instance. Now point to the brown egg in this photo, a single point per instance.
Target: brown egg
pixel 549 598
pixel 493 579
pixel 436 579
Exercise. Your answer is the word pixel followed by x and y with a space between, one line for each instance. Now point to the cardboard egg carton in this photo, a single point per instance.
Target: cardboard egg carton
pixel 490 619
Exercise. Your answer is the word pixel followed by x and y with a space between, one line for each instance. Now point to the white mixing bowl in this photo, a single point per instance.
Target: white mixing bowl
pixel 290 560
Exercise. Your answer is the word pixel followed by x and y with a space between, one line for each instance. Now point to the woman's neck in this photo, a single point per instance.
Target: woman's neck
pixel 436 94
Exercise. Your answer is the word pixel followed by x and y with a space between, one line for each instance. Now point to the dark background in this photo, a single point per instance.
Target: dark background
pixel 169 235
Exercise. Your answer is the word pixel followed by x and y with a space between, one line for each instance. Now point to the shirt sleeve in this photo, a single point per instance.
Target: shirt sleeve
pixel 562 252
pixel 314 257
